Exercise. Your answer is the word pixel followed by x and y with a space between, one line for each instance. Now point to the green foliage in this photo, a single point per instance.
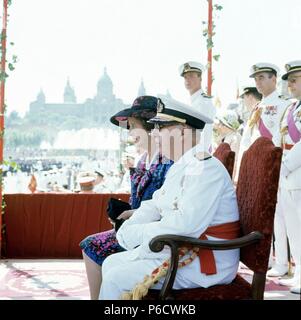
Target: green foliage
pixel 11 67
pixel 209 38
pixel 209 43
pixel 218 7
pixel 12 164
pixel 3 76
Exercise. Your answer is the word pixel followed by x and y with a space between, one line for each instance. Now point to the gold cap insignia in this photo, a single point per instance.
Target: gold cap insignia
pixel 287 67
pixel 160 106
pixel 255 68
pixel 186 67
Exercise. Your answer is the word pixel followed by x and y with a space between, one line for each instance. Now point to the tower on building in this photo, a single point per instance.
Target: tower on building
pixel 104 88
pixel 41 97
pixel 69 94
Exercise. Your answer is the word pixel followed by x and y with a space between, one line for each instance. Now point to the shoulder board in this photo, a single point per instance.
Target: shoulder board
pixel 206 96
pixel 283 97
pixel 202 156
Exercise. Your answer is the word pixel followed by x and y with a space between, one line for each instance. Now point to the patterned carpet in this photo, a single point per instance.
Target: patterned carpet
pixel 66 280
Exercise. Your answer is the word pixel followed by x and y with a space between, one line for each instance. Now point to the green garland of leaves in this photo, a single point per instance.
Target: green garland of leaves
pixel 210 43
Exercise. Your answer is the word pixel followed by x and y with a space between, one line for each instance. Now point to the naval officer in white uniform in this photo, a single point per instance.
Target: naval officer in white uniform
pixel 192 72
pixel 264 121
pixel 289 195
pixel 265 118
pixel 197 195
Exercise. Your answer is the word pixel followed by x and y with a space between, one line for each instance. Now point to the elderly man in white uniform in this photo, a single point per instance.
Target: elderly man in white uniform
pixel 192 72
pixel 289 196
pixel 264 121
pixel 196 195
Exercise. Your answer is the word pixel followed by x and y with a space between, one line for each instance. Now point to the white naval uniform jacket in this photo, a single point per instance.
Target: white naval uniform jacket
pixel 273 108
pixel 292 158
pixel 204 104
pixel 195 195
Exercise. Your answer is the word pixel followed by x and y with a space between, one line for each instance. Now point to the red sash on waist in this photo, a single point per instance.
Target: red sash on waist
pixel 226 231
pixel 286 146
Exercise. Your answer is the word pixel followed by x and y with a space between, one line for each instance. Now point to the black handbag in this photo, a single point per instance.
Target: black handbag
pixel 115 209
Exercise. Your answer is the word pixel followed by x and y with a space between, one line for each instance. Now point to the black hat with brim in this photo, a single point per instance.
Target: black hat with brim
pixel 144 107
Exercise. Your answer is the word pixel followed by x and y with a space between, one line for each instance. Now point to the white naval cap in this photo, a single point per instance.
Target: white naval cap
pixel 291 67
pixel 191 66
pixel 86 180
pixel 263 67
pixel 172 111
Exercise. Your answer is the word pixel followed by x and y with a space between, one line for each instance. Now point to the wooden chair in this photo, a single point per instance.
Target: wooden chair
pixel 257 196
pixel 225 155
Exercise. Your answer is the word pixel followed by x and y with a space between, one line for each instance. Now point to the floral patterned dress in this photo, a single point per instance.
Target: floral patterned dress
pixel 144 182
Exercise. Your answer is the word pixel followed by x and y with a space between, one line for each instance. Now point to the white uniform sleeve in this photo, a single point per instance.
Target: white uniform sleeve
pixel 293 159
pixel 196 208
pixel 130 233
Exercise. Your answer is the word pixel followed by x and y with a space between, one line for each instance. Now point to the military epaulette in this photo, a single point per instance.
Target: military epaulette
pixel 284 97
pixel 202 156
pixel 206 96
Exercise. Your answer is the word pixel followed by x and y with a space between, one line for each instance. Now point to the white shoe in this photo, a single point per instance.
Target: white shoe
pixel 292 282
pixel 296 290
pixel 277 271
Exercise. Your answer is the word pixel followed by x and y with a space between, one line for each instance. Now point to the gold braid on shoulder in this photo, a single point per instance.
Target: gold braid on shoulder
pixel 255 117
pixel 284 128
pixel 141 289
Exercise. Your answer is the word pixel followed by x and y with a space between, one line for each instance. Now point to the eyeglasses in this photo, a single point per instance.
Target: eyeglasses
pixel 293 79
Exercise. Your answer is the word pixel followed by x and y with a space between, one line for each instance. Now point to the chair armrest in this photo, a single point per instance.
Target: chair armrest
pixel 175 242
pixel 157 244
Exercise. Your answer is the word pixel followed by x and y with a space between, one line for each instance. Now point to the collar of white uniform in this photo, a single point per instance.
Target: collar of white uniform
pixel 270 99
pixel 196 94
pixel 187 157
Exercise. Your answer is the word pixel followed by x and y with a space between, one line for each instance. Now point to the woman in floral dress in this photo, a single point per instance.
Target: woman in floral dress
pixel 146 178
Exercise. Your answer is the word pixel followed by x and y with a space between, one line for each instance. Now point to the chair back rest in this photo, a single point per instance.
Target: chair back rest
pixel 257 197
pixel 226 156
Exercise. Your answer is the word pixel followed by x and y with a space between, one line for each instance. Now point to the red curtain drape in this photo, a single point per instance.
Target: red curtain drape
pixel 52 225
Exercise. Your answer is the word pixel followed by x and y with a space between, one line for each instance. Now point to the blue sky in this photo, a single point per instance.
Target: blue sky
pixel 56 39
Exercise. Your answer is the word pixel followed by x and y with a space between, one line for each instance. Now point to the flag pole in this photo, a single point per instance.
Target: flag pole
pixel 2 101
pixel 209 47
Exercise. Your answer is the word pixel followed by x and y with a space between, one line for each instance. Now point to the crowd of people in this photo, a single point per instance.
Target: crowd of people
pixel 177 187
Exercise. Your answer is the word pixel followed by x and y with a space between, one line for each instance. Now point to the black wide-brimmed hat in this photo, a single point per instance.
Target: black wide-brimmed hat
pixel 144 107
